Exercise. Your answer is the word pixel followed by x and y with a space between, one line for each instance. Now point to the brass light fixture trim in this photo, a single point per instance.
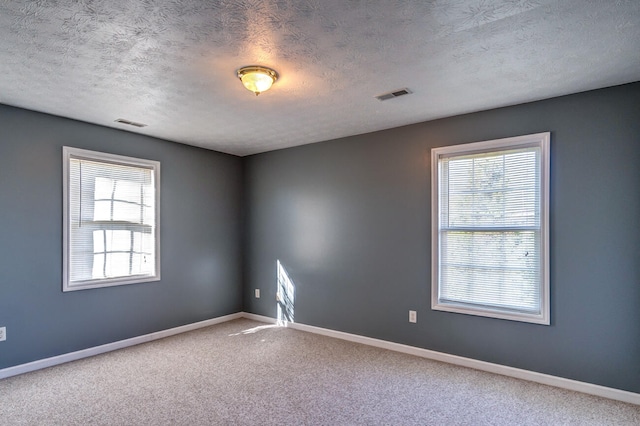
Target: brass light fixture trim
pixel 257 78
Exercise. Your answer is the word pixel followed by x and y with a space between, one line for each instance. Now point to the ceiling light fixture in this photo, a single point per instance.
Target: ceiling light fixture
pixel 256 78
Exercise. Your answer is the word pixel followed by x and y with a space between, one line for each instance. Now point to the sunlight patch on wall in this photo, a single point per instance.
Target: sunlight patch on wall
pixel 285 296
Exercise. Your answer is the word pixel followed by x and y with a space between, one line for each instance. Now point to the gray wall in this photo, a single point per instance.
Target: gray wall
pixel 350 221
pixel 200 235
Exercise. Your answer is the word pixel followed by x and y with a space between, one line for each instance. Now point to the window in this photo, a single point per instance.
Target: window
pixel 111 220
pixel 490 231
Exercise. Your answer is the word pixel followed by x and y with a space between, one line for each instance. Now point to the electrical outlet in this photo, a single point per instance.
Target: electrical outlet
pixel 257 293
pixel 413 316
pixel 3 334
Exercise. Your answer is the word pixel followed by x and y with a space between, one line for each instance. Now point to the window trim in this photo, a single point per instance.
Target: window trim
pixel 67 154
pixel 541 140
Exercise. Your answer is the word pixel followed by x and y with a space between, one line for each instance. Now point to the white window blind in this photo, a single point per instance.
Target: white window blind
pixel 490 228
pixel 111 220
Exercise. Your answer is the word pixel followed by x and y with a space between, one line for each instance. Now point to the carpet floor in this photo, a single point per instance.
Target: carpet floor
pixel 247 373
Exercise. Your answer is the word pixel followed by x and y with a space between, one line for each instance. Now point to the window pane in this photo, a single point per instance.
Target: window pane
pixel 127 190
pixel 117 264
pixel 118 240
pixel 141 263
pixel 494 189
pixel 98 267
pixel 102 210
pixel 99 241
pixel 127 212
pixel 491 268
pixel 148 215
pixel 104 186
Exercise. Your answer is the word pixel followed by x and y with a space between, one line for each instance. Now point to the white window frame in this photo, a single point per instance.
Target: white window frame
pixel 69 153
pixel 541 140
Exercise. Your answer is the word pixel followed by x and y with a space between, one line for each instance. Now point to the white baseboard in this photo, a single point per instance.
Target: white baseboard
pixel 262 318
pixel 96 350
pixel 532 376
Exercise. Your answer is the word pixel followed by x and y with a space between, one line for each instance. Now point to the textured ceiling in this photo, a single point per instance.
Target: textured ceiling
pixel 171 63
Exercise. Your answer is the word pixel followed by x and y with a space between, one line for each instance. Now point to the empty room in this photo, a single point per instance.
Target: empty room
pixel 320 212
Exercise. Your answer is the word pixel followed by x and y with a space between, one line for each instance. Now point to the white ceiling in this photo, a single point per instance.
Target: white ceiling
pixel 171 63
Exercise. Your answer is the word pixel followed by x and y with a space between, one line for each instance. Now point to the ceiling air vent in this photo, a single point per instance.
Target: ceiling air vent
pixel 393 94
pixel 130 123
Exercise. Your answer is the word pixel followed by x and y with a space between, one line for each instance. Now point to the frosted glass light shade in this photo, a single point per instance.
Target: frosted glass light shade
pixel 257 79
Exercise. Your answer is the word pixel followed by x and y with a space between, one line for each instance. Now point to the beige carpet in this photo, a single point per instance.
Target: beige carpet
pixel 248 373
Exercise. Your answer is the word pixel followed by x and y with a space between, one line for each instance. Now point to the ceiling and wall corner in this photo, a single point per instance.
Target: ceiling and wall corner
pixel 171 64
